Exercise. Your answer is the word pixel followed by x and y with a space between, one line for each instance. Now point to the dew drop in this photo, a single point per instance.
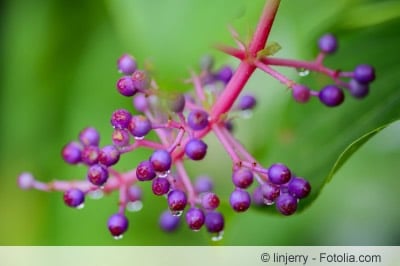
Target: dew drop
pixel 246 114
pixel 218 236
pixel 96 194
pixel 80 206
pixel 303 72
pixel 195 230
pixel 163 174
pixel 139 138
pixel 118 237
pixel 176 213
pixel 134 206
pixel 268 202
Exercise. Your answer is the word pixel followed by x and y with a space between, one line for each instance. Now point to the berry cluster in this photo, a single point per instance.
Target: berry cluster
pixel 180 122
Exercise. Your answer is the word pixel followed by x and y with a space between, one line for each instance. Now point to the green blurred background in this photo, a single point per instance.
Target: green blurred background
pixel 58 70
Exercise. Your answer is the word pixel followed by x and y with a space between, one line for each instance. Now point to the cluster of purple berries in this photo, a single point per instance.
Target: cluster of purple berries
pixel 181 121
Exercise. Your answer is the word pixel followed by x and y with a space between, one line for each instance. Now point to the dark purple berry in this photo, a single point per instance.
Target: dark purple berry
pixel 299 187
pixel 257 196
pixel 168 222
pixel 209 201
pixel 71 153
pixel 301 93
pixel 134 193
pixel 270 191
pixel 224 74
pixel 126 64
pixel 90 155
pixel 247 102
pixel 161 160
pixel 177 200
pixel 229 125
pixel 203 184
pixel 328 43
pixel 279 174
pixel 120 118
pixel 117 225
pixel 145 171
pixel 97 174
pixel 126 87
pixel 74 197
pixel 176 103
pixel 331 96
pixel 198 119
pixel 240 200
pixel 89 137
pixel 286 204
pixel 120 137
pixel 139 126
pixel 358 90
pixel 214 222
pixel 26 180
pixel 195 218
pixel 141 80
pixel 160 186
pixel 196 149
pixel 242 178
pixel 364 74
pixel 140 102
pixel 109 155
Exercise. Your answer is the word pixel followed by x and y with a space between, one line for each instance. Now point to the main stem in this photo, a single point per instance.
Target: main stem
pixel 246 67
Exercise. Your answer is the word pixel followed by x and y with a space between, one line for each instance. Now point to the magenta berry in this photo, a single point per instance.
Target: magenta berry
pixel 196 149
pixel 358 90
pixel 126 87
pixel 240 200
pixel 145 171
pixel 71 153
pixel 177 200
pixel 168 222
pixel 134 193
pixel 224 74
pixel 331 96
pixel 120 137
pixel 270 191
pixel 160 186
pixel 109 155
pixel 286 204
pixel 203 184
pixel 301 93
pixel 89 137
pixel 126 64
pixel 257 196
pixel 140 80
pixel 74 198
pixel 299 187
pixel 364 74
pixel 161 160
pixel 117 225
pixel 97 174
pixel 195 218
pixel 198 119
pixel 279 174
pixel 328 43
pixel 140 102
pixel 214 222
pixel 90 155
pixel 120 118
pixel 139 126
pixel 242 178
pixel 247 102
pixel 209 201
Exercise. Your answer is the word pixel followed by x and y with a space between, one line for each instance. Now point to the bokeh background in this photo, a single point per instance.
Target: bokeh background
pixel 58 70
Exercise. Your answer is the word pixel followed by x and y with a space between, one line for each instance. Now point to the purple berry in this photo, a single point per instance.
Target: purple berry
pixel 139 126
pixel 195 218
pixel 140 80
pixel 242 178
pixel 140 102
pixel 161 160
pixel 247 102
pixel 279 174
pixel 203 184
pixel 224 74
pixel 126 64
pixel 176 103
pixel 109 155
pixel 168 222
pixel 214 222
pixel 358 90
pixel 126 87
pixel 286 204
pixel 209 201
pixel 71 153
pixel 117 225
pixel 270 191
pixel 90 155
pixel 257 196
pixel 240 200
pixel 74 197
pixel 89 137
pixel 299 187
pixel 97 174
pixel 328 43
pixel 145 171
pixel 120 118
pixel 160 186
pixel 196 149
pixel 301 93
pixel 331 96
pixel 177 200
pixel 364 74
pixel 120 137
pixel 134 193
pixel 26 180
pixel 198 119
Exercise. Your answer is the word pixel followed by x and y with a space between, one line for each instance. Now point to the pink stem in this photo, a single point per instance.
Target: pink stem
pixel 198 87
pixel 275 74
pixel 180 168
pixel 229 149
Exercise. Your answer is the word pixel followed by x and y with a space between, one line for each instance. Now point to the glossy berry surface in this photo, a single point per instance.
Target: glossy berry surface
pixel 364 74
pixel 270 191
pixel 279 174
pixel 140 102
pixel 160 186
pixel 126 87
pixel 134 193
pixel 97 174
pixel 74 197
pixel 90 155
pixel 126 64
pixel 299 187
pixel 89 137
pixel 120 137
pixel 117 225
pixel 196 149
pixel 357 89
pixel 214 222
pixel 209 201
pixel 140 80
pixel 328 43
pixel 145 171
pixel 198 119
pixel 225 74
pixel 161 160
pixel 242 178
pixel 286 204
pixel 139 126
pixel 247 102
pixel 195 218
pixel 331 96
pixel 71 153
pixel 177 200
pixel 240 200
pixel 168 222
pixel 120 118
pixel 301 93
pixel 109 155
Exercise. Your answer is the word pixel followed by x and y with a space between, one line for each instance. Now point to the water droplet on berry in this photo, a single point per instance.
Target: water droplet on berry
pixel 303 72
pixel 246 114
pixel 218 236
pixel 96 194
pixel 163 174
pixel 139 138
pixel 118 237
pixel 268 202
pixel 80 206
pixel 134 206
pixel 176 213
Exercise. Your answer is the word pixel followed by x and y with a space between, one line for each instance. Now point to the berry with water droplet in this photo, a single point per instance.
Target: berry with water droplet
pixel 74 197
pixel 117 225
